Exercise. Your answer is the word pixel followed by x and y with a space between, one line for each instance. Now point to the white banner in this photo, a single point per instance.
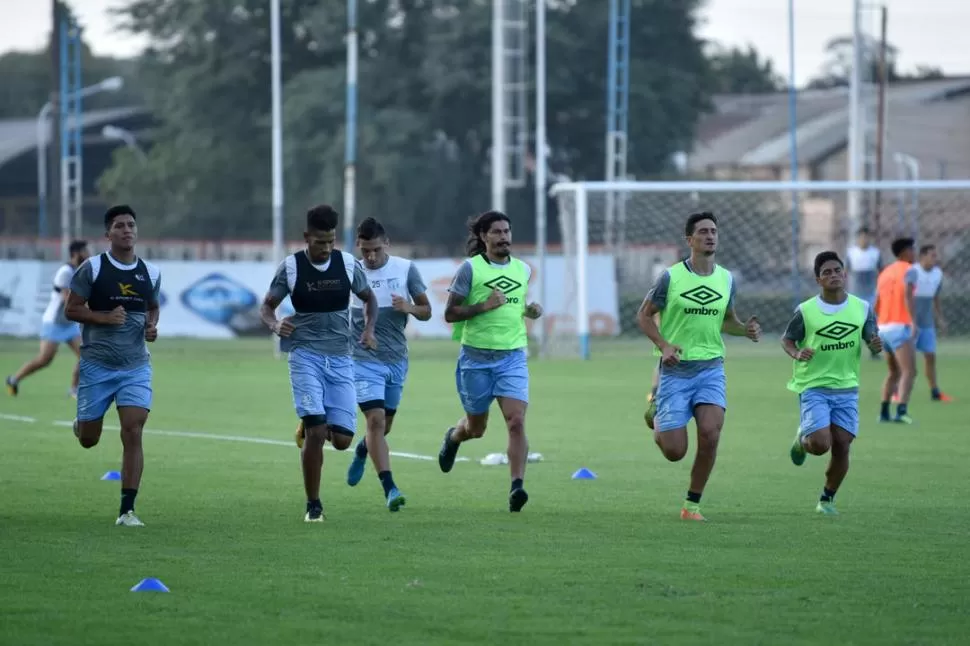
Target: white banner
pixel 221 299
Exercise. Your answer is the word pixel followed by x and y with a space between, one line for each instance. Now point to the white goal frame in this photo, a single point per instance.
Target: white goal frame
pixel 577 245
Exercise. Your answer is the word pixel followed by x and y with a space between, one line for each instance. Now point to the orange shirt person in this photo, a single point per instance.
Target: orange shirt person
pixel 894 316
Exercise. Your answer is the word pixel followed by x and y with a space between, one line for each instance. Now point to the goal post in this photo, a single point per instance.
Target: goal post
pixel 769 234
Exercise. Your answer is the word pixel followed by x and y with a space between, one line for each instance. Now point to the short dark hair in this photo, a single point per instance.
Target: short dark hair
pixel 481 224
pixel 694 218
pixel 76 246
pixel 370 229
pixel 825 257
pixel 115 211
pixel 902 244
pixel 925 249
pixel 322 217
pixel 864 230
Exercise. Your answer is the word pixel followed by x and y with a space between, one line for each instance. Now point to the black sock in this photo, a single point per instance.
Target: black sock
pixel 516 484
pixel 884 409
pixel 314 504
pixel 827 495
pixel 900 409
pixel 693 497
pixel 935 393
pixel 361 449
pixel 127 500
pixel 386 481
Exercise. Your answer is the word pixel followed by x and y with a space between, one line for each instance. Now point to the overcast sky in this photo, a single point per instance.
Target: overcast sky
pixel 929 32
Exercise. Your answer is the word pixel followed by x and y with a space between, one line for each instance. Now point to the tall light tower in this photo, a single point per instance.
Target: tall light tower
pixel 510 37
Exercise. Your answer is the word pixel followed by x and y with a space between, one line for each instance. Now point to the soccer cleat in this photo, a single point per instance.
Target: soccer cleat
pixel 314 513
pixel 902 419
pixel 691 511
pixel 797 451
pixel 448 452
pixel 300 435
pixel 651 410
pixel 13 388
pixel 356 469
pixel 517 499
pixel 129 519
pixel 941 397
pixel 827 508
pixel 395 499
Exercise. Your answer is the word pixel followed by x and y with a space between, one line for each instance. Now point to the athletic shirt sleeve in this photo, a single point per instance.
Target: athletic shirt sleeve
pixel 461 284
pixel 415 282
pixel 658 293
pixel 795 331
pixel 358 281
pixel 62 279
pixel 83 280
pixel 279 287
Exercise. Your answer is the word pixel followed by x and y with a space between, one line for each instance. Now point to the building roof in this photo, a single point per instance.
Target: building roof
pixel 18 136
pixel 753 130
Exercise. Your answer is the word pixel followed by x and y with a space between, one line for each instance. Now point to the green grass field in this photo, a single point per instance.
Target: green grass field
pixel 587 562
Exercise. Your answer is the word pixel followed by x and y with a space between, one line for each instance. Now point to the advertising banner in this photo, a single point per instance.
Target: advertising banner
pixel 221 299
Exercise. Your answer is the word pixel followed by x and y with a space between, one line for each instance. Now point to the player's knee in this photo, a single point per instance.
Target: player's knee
pixel 43 360
pixel 672 445
pixel 88 441
pixel 515 422
pixel 818 443
pixel 708 434
pixel 341 438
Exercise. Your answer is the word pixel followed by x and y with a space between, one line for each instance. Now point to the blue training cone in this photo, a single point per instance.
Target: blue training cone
pixel 584 474
pixel 150 585
pixel 111 475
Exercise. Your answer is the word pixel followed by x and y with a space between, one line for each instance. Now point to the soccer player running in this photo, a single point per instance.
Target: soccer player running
pixel 318 338
pixel 864 262
pixel 55 328
pixel 927 280
pixel 379 374
pixel 894 314
pixel 696 300
pixel 114 296
pixel 825 339
pixel 487 305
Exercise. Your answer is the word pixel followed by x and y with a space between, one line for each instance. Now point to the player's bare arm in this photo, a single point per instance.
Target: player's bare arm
pixel 647 320
pixel 533 311
pixel 369 299
pixel 456 310
pixel 419 309
pixel 732 325
pixel 151 322
pixel 267 313
pixel 76 309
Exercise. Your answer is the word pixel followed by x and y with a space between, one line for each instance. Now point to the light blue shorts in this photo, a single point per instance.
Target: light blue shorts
pixel 485 375
pixel 59 333
pixel 894 340
pixel 926 340
pixel 677 395
pixel 99 385
pixel 323 387
pixel 380 385
pixel 821 408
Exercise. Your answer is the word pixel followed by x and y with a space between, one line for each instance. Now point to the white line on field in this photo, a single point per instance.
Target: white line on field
pixel 214 436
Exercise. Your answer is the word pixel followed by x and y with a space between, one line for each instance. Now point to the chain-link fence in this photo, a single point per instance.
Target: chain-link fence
pixel 768 239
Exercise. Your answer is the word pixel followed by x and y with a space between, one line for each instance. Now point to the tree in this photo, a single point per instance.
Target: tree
pixel 424 108
pixel 742 71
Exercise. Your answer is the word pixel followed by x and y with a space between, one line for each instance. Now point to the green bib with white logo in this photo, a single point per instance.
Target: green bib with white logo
pixel 837 342
pixel 504 327
pixel 695 310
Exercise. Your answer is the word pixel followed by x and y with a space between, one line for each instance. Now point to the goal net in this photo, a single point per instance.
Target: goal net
pixel 617 238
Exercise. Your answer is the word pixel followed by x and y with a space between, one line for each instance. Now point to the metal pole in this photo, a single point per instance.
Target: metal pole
pixel 277 145
pixel 55 175
pixel 881 122
pixel 793 152
pixel 77 131
pixel 42 116
pixel 854 114
pixel 61 127
pixel 498 113
pixel 350 150
pixel 540 153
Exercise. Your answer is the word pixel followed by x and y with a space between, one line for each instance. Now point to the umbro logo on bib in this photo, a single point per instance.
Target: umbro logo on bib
pixel 503 284
pixel 703 296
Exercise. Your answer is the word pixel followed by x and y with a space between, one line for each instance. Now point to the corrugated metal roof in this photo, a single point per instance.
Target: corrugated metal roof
pixel 17 136
pixel 760 135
